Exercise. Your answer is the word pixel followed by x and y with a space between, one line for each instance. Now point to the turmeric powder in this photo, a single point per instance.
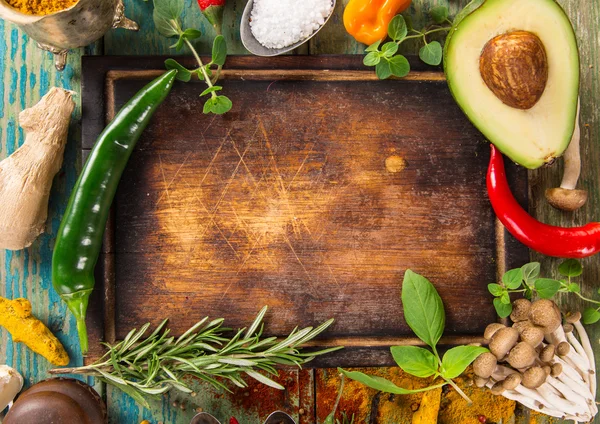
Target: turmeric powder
pixel 429 408
pixel 16 317
pixel 41 7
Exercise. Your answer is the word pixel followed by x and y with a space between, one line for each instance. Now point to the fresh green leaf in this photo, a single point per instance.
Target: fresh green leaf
pixel 423 308
pixel 191 34
pixel 166 27
pixel 457 359
pixel 399 66
pixel 397 29
pixel 169 9
pixel 591 316
pixel 330 419
pixel 531 271
pixel 546 287
pixel 408 20
pixel 431 53
pixel 179 44
pixel 495 289
pixel 505 298
pixel 415 360
pixel 513 278
pixel 379 383
pixel 219 51
pixel 211 89
pixel 389 49
pixel 382 69
pixel 574 288
pixel 183 74
pixel 528 293
pixel 570 268
pixel 372 59
pixel 439 14
pixel 373 47
pixel 502 309
pixel 218 105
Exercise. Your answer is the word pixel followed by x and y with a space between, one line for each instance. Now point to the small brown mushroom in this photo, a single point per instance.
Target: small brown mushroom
pixel 512 381
pixel 497 388
pixel 480 381
pixel 573 317
pixel 491 329
pixel 563 349
pixel 534 377
pixel 547 353
pixel 557 369
pixel 484 365
pixel 503 341
pixel 522 355
pixel 522 325
pixel 544 313
pixel 568 328
pixel 547 369
pixel 532 335
pixel 520 310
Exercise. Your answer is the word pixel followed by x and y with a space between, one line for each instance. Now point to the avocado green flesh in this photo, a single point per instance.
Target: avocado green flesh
pixel 529 137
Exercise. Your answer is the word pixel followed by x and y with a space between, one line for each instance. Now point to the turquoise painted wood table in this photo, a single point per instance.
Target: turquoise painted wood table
pixel 26 74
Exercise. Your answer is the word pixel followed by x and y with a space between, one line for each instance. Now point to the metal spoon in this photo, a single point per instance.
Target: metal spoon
pixel 252 44
pixel 204 418
pixel 277 417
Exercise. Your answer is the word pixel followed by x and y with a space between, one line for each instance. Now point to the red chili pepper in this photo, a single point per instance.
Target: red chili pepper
pixel 577 242
pixel 233 421
pixel 213 11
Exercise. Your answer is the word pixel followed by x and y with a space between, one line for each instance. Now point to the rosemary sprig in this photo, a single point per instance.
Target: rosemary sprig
pixel 147 367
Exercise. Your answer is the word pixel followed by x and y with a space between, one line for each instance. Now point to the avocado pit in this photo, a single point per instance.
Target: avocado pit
pixel 514 66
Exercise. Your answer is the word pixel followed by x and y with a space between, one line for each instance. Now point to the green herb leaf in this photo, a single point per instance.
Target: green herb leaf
pixel 399 66
pixel 378 383
pixel 397 29
pixel 546 287
pixel 382 69
pixel 179 44
pixel 330 419
pixel 439 14
pixel 423 308
pixel 495 289
pixel 219 51
pixel 415 360
pixel 218 105
pixel 373 47
pixel 513 278
pixel 191 34
pixel 408 20
pixel 166 27
pixel 457 359
pixel 570 268
pixel 505 298
pixel 389 49
pixel 169 9
pixel 211 89
pixel 183 74
pixel 372 59
pixel 574 288
pixel 502 309
pixel 431 53
pixel 591 316
pixel 531 271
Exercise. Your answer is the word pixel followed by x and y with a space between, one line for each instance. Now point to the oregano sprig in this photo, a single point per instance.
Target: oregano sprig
pixel 384 56
pixel 425 315
pixel 527 281
pixel 167 20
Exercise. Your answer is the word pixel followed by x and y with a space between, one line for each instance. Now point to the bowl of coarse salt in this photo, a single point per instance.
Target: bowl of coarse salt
pixel 274 27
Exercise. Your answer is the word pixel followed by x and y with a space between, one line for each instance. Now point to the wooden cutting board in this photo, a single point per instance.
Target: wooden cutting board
pixel 312 196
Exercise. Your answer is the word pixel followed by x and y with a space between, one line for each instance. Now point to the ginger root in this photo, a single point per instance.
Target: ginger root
pixel 430 407
pixel 26 175
pixel 16 317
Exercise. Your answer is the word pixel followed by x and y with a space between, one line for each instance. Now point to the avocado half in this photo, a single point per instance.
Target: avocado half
pixel 513 68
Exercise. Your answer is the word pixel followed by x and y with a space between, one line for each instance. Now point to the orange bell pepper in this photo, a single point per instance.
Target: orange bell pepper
pixel 367 20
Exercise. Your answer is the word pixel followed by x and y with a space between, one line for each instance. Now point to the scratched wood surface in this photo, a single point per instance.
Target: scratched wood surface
pixel 27 73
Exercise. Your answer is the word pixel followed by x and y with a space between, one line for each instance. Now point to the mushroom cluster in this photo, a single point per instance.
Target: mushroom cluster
pixel 540 362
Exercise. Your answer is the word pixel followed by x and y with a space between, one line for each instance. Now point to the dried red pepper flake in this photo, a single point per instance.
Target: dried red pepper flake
pixel 233 420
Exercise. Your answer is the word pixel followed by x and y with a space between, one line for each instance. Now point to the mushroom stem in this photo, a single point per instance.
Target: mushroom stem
pixel 579 348
pixel 587 347
pixel 563 404
pixel 567 392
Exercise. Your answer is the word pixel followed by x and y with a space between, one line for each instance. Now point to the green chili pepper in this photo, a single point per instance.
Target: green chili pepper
pixel 79 238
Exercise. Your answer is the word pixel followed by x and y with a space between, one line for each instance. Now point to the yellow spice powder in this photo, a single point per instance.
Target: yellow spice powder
pixel 41 7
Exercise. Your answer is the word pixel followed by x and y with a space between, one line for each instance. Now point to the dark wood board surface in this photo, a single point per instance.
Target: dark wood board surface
pixel 292 200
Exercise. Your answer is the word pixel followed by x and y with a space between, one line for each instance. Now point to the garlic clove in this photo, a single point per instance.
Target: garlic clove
pixel 11 383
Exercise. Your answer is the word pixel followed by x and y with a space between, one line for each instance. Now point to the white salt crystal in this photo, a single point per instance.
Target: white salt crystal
pixel 281 23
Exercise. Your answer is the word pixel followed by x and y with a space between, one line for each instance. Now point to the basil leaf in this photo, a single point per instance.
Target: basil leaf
pixel 415 360
pixel 397 29
pixel 219 51
pixel 166 27
pixel 389 49
pixel 217 105
pixel 423 308
pixel 169 9
pixel 378 383
pixel 591 316
pixel 457 359
pixel 495 289
pixel 570 268
pixel 183 74
pixel 372 59
pixel 546 287
pixel 382 69
pixel 513 278
pixel 373 47
pixel 502 309
pixel 399 66
pixel 531 271
pixel 439 14
pixel 431 53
